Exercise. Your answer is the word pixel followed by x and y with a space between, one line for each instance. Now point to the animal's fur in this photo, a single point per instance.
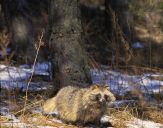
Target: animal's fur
pixel 76 104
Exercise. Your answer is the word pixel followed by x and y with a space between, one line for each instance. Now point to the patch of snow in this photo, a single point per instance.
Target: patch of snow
pixel 137 45
pixel 55 113
pixel 105 118
pixel 43 68
pixel 161 105
pixel 56 120
pixel 153 75
pixel 22 86
pixel 135 123
pixel 8 50
pixel 15 122
pixel 10 73
pixel 16 77
pixel 16 125
pixel 49 127
pixel 122 83
pixel 138 123
pixel 119 103
pixel 4 112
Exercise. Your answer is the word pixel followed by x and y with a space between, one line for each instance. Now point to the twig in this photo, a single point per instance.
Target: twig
pixel 33 69
pixel 32 105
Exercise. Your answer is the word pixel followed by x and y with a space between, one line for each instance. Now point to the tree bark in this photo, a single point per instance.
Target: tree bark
pixel 124 17
pixel 69 58
pixel 18 18
pixel 118 23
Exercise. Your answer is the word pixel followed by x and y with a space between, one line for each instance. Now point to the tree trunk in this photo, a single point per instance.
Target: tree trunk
pixel 18 18
pixel 69 59
pixel 119 22
pixel 123 15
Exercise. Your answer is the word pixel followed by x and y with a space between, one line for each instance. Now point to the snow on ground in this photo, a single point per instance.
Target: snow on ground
pixel 138 123
pixel 23 72
pixel 13 121
pixel 122 83
pixel 48 127
pixel 16 77
pixel 138 45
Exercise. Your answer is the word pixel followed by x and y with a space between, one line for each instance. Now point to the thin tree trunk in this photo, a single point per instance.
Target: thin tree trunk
pixel 18 18
pixel 69 59
pixel 118 23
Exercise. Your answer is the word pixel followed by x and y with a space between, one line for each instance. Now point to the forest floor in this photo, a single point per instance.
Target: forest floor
pixel 139 101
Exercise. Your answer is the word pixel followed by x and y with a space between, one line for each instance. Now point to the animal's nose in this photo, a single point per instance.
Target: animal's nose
pixel 102 100
pixel 98 97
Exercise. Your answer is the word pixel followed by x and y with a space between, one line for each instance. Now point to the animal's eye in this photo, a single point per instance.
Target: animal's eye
pixel 106 97
pixel 98 96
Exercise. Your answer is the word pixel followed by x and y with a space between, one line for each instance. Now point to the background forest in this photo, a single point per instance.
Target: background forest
pixel 48 44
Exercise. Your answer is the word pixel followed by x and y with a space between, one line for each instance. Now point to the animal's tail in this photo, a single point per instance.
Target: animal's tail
pixel 49 107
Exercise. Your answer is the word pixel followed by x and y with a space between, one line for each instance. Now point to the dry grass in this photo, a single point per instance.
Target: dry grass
pixel 5 39
pixel 4 42
pixel 3 119
pixel 35 120
pixel 41 120
pixel 28 117
pixel 155 115
pixel 120 118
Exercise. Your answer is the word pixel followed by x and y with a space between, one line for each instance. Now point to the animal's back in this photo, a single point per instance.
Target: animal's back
pixel 66 103
pixel 49 106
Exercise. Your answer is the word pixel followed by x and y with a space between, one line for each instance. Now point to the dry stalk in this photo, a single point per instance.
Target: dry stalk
pixel 33 68
pixel 120 118
pixel 5 39
pixel 119 37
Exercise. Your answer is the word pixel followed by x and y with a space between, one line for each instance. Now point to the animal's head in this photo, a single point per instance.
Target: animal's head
pixel 101 94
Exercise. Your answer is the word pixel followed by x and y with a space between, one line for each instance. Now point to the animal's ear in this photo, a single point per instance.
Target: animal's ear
pixel 96 86
pixel 107 86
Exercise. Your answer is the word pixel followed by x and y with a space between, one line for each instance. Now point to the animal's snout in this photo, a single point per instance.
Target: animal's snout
pixel 102 100
pixel 109 98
